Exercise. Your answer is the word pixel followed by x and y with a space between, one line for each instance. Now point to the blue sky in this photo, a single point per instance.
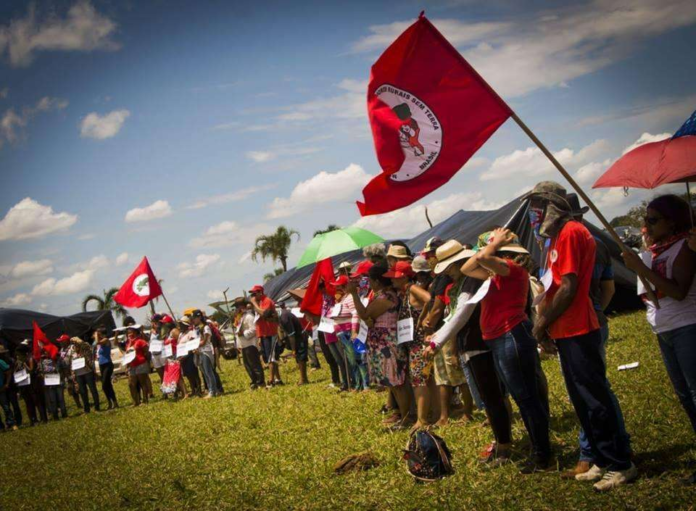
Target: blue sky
pixel 182 130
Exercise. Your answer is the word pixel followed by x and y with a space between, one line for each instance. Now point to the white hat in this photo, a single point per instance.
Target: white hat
pixel 449 253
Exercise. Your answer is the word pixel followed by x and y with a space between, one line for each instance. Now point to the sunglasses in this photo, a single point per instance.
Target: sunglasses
pixel 651 220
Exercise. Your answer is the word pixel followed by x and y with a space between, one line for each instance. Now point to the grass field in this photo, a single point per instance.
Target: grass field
pixel 276 450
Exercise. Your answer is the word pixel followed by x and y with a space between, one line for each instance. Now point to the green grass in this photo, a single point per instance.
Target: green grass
pixel 276 450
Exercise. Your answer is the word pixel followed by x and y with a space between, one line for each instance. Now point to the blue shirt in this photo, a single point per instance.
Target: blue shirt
pixel 104 353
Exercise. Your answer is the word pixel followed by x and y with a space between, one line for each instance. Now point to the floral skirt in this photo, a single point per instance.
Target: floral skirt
pixel 419 366
pixel 386 363
pixel 172 373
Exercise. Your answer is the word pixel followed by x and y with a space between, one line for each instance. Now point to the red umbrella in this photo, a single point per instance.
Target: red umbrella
pixel 651 165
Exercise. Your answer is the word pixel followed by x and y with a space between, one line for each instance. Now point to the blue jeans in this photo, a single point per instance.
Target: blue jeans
pixel 586 381
pixel 516 359
pixel 349 352
pixel 5 405
pixel 678 349
pixel 475 395
pixel 586 453
pixel 208 368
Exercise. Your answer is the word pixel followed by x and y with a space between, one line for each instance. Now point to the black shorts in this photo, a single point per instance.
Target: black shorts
pixel 270 348
pixel 301 348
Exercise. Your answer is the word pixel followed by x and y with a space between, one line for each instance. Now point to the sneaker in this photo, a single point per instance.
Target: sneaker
pixel 496 457
pixel 487 453
pixel 593 475
pixel 538 464
pixel 278 382
pixel 614 478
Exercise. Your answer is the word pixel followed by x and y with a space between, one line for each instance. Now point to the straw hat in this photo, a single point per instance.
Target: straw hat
pixel 420 264
pixel 452 251
pixel 513 247
pixel 345 265
pixel 398 252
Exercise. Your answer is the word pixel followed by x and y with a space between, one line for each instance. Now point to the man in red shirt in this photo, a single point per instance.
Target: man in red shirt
pixel 267 331
pixel 567 321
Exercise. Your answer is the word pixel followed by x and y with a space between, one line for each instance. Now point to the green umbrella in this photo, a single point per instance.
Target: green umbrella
pixel 337 242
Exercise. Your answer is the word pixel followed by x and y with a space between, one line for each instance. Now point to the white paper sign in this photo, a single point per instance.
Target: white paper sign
pixel 404 330
pixel 26 381
pixel 51 380
pixel 326 325
pixel 335 311
pixel 20 376
pixel 128 358
pixel 181 350
pixel 168 350
pixel 362 333
pixel 297 313
pixel 315 334
pixel 482 291
pixel 78 363
pixel 546 281
pixel 156 346
pixel 193 344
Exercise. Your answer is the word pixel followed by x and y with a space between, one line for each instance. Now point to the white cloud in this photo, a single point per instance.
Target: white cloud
pixel 17 300
pixel 646 138
pixel 96 263
pixel 229 233
pixel 75 283
pixel 588 174
pixel 239 195
pixel 82 29
pixel 198 267
pixel 13 124
pixel 158 209
pixel 552 47
pixel 104 126
pixel 122 259
pixel 86 237
pixel 260 156
pixel 29 219
pixel 215 295
pixel 349 105
pixel 408 222
pixel 320 189
pixel 31 268
pixel 531 162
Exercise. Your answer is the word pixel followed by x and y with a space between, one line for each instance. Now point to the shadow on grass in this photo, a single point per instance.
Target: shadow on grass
pixel 656 463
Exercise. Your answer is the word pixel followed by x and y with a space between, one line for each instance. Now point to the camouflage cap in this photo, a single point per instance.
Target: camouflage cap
pixel 546 188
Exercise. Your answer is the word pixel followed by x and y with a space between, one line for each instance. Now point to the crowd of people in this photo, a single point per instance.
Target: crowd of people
pixel 454 319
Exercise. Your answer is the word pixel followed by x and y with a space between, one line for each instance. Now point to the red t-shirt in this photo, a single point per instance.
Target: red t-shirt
pixel 444 298
pixel 265 328
pixel 503 307
pixel 573 252
pixel 140 347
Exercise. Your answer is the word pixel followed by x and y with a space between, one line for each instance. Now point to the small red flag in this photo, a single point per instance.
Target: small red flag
pixel 313 298
pixel 430 112
pixel 41 342
pixel 140 288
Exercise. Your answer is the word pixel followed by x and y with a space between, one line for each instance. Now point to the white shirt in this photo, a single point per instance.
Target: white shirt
pixel 247 331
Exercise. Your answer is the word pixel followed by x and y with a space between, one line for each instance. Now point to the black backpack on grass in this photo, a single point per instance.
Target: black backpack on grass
pixel 427 456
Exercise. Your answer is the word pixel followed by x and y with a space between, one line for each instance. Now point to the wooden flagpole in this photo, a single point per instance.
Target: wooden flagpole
pixel 581 193
pixel 168 306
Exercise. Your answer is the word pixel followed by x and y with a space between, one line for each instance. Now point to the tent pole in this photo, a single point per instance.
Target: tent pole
pixel 581 193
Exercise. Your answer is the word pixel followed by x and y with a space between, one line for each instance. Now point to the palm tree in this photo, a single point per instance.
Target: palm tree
pixel 275 246
pixel 329 228
pixel 276 272
pixel 106 303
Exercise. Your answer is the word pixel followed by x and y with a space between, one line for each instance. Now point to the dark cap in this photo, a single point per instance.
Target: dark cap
pixel 575 208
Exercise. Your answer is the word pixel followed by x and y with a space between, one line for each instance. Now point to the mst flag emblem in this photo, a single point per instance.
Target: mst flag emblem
pixel 140 288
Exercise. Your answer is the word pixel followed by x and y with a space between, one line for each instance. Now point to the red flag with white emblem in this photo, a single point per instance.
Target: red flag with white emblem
pixel 140 288
pixel 41 343
pixel 430 112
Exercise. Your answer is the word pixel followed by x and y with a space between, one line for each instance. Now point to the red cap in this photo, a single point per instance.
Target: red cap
pixel 63 338
pixel 256 289
pixel 342 280
pixel 400 269
pixel 362 269
pixel 166 318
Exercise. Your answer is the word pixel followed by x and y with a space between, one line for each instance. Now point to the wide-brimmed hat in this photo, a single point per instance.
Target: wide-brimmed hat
pixel 513 247
pixel 451 252
pixel 432 245
pixel 574 201
pixel 400 270
pixel 362 269
pixel 185 320
pixel 398 252
pixel 345 265
pixel 297 294
pixel 420 264
pixel 134 327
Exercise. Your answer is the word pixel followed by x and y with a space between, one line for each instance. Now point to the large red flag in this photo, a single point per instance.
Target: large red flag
pixel 313 298
pixel 430 111
pixel 140 288
pixel 42 342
